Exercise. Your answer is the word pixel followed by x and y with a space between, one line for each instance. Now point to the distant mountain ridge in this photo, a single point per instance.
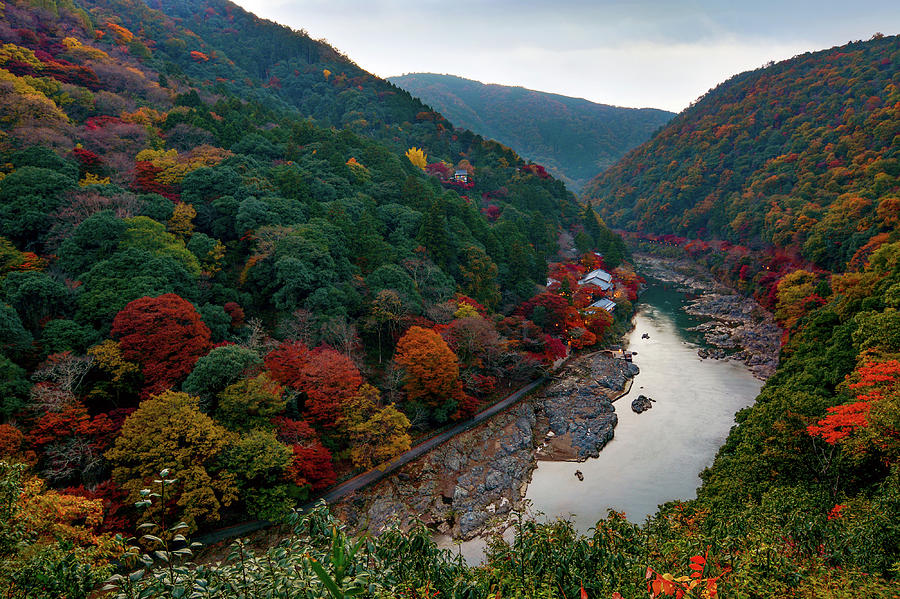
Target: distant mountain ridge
pixel 803 155
pixel 574 138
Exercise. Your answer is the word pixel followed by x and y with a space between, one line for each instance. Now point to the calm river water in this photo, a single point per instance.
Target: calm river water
pixel 655 456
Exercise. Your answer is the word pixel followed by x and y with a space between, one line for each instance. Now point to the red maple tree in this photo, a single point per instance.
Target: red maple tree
pixel 165 335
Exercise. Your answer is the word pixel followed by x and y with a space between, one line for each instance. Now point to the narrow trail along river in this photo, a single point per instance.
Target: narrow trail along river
pixel 655 456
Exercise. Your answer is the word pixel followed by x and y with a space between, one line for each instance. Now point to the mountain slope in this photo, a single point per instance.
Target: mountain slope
pixel 802 155
pixel 572 137
pixel 209 226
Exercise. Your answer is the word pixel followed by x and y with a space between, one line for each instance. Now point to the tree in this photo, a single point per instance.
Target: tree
pixel 432 371
pixel 217 370
pixel 251 403
pixel 13 387
pixel 260 464
pixel 128 275
pixel 375 432
pixel 311 466
pixel 325 377
pixel 385 316
pixel 50 541
pixel 27 197
pixel 480 275
pixel 36 296
pixel 417 157
pixel 94 240
pixel 14 339
pixel 170 431
pixel 474 340
pixel 147 234
pixel 164 335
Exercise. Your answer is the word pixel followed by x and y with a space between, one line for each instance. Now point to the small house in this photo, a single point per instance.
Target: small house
pixel 599 277
pixel 461 176
pixel 605 304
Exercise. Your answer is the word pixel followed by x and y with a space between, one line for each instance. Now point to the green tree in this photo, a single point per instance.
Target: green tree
pixel 480 277
pixel 146 234
pixel 217 370
pixel 260 466
pixel 27 198
pixel 95 239
pixel 251 403
pixel 36 296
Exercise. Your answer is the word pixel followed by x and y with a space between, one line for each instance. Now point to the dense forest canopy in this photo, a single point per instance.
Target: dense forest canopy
pixel 802 155
pixel 234 268
pixel 227 251
pixel 574 138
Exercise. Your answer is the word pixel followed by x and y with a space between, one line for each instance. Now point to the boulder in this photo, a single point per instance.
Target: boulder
pixel 641 404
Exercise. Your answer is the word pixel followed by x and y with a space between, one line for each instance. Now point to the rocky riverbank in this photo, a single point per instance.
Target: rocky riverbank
pixel 738 329
pixel 475 480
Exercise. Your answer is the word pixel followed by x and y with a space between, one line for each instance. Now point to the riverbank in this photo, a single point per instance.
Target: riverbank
pixel 738 328
pixel 471 483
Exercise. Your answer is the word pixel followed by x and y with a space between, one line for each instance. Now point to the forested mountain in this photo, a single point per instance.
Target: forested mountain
pixel 801 155
pixel 234 267
pixel 573 138
pixel 228 251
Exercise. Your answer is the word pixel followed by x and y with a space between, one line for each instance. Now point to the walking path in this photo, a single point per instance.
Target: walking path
pixel 371 476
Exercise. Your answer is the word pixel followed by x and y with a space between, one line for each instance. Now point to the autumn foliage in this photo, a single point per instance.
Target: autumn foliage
pixel 165 335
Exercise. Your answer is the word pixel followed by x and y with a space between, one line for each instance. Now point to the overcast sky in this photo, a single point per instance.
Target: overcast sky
pixel 656 53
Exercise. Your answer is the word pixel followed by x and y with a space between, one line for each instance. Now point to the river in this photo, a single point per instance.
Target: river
pixel 655 456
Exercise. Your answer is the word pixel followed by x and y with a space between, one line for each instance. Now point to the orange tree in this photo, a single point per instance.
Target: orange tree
pixel 432 373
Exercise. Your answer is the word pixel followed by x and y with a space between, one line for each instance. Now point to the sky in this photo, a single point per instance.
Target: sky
pixel 637 53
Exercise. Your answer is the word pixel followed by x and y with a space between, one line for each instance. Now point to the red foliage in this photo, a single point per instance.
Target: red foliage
pixel 467 406
pixel 439 169
pixel 841 421
pixel 88 160
pixel 115 513
pixel 199 56
pixel 98 122
pixel 294 432
pixel 556 309
pixel 285 362
pixel 328 378
pixel 74 421
pixel 491 212
pixel 312 466
pixel 465 299
pixel 536 169
pixel 165 335
pixel 234 310
pixel 554 348
pixel 145 173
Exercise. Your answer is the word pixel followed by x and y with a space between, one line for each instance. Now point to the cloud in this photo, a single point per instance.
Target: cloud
pixel 627 52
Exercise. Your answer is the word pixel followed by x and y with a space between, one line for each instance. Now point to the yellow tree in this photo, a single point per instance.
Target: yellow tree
pixel 792 289
pixel 170 431
pixel 417 157
pixel 376 432
pixel 181 223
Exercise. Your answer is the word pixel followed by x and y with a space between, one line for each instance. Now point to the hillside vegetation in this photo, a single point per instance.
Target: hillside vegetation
pixel 803 155
pixel 235 268
pixel 574 138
